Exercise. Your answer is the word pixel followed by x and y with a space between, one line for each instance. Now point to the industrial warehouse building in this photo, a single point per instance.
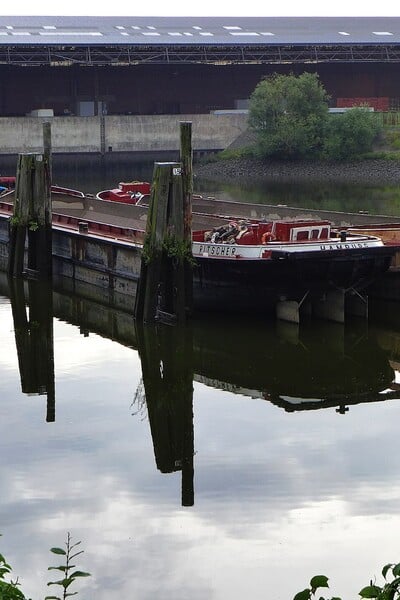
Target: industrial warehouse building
pixel 122 84
pixel 86 66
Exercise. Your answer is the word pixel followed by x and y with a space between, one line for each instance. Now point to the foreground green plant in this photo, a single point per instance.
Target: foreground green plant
pixel 66 569
pixel 8 589
pixel 389 590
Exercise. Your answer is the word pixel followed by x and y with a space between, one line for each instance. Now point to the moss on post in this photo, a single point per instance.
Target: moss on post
pixel 32 217
pixel 162 287
pixel 186 158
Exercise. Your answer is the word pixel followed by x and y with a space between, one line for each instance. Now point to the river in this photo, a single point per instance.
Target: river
pixel 234 459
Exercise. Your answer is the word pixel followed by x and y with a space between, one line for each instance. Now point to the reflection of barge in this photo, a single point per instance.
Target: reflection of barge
pixel 322 366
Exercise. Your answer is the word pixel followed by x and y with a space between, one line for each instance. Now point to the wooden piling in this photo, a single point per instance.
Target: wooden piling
pixel 32 218
pixel 47 145
pixel 161 294
pixel 186 158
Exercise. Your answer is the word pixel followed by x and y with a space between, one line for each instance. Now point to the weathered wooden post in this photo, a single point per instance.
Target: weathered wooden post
pixel 161 291
pixel 186 158
pixel 47 146
pixel 32 217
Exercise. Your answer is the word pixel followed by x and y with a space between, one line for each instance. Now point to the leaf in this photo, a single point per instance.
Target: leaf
pixel 396 570
pixel 80 574
pixel 304 595
pixel 386 569
pixel 76 554
pixel 56 582
pixel 70 594
pixel 67 582
pixel 52 598
pixel 319 581
pixel 371 591
pixel 60 568
pixel 58 551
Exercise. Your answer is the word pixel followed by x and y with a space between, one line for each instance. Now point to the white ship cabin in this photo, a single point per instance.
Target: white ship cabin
pixel 248 233
pixel 300 231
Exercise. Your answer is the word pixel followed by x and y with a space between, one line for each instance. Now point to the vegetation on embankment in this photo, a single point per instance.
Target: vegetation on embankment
pixel 244 169
pixel 293 137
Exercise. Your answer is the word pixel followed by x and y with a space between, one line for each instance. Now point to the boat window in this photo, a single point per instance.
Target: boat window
pixel 314 234
pixel 302 235
pixel 325 232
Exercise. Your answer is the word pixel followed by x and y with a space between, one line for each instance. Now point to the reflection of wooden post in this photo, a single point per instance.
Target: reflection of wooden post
pixel 34 339
pixel 167 368
pixel 32 216
pixel 166 258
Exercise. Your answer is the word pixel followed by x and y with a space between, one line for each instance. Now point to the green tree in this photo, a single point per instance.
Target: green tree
pixel 289 114
pixel 351 133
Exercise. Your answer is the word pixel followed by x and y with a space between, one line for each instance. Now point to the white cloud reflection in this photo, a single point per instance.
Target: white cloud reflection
pixel 278 497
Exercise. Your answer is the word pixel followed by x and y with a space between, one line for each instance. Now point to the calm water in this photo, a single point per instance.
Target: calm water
pixel 383 200
pixel 281 463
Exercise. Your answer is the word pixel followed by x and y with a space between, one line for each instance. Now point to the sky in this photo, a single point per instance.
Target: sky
pixel 223 8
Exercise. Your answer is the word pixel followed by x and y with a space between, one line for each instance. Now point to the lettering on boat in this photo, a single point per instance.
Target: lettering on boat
pixel 346 246
pixel 213 250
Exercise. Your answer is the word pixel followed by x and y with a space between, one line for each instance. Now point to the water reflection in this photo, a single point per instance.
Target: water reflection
pixel 91 174
pixel 317 366
pixel 342 197
pixel 307 488
pixel 166 354
pixel 321 365
pixel 34 338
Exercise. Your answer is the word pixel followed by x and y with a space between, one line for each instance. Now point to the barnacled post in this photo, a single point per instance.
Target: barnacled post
pixel 186 158
pixel 162 293
pixel 31 218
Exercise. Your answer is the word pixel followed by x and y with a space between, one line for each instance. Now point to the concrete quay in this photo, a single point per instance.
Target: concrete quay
pixel 123 133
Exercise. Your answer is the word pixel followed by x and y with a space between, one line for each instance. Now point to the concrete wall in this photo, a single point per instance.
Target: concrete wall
pixel 119 133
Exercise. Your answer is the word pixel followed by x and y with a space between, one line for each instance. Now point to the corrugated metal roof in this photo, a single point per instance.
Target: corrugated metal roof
pixel 205 31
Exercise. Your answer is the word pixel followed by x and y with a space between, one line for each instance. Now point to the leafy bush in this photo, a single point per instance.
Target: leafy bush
pixel 393 139
pixel 389 590
pixel 351 134
pixel 288 114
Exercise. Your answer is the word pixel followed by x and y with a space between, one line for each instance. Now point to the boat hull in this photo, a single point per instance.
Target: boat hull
pixel 258 285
